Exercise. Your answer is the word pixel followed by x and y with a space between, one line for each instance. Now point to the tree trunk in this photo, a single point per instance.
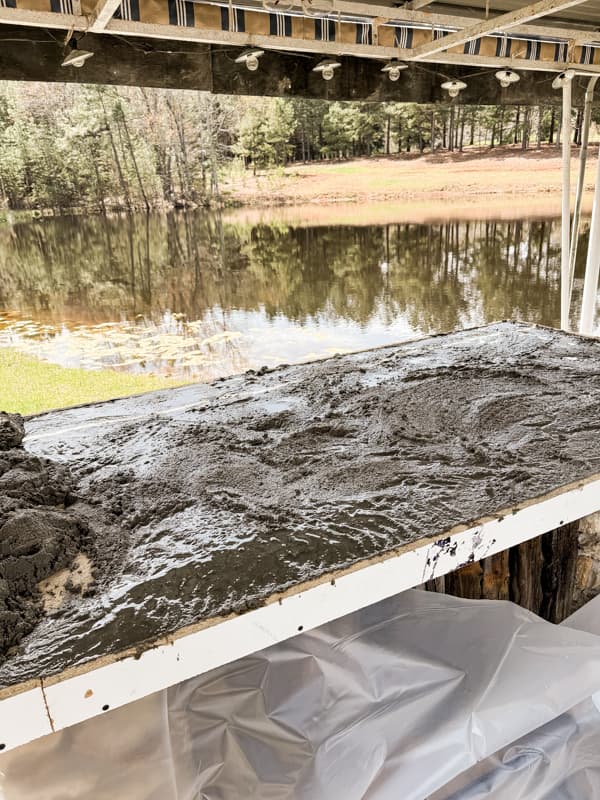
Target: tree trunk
pixel 99 184
pixel 183 159
pixel 552 125
pixel 525 137
pixel 135 163
pixel 111 138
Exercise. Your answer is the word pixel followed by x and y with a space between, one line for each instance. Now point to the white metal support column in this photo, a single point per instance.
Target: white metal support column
pixel 585 136
pixel 566 202
pixel 592 266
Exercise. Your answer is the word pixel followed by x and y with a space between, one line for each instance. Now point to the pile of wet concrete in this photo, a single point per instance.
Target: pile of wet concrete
pixel 207 500
pixel 40 533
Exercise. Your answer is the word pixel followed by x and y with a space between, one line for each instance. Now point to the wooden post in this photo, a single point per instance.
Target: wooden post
pixel 538 575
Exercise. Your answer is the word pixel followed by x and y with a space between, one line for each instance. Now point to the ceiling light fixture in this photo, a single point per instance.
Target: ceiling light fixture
pixel 75 57
pixel 563 78
pixel 394 68
pixel 327 68
pixel 454 87
pixel 506 77
pixel 250 58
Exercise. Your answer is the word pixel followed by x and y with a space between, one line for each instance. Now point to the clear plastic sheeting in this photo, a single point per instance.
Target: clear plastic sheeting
pixel 123 755
pixel 396 700
pixel 559 761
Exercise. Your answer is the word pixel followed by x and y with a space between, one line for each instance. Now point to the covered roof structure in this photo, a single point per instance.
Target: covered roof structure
pixel 189 44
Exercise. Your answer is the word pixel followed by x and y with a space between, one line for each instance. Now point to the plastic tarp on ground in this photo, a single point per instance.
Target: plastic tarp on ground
pixel 397 700
pixel 559 761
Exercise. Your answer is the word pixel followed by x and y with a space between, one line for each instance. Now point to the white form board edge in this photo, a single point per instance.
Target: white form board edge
pixel 82 693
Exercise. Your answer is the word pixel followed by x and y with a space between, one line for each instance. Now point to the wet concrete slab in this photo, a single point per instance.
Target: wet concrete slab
pixel 207 500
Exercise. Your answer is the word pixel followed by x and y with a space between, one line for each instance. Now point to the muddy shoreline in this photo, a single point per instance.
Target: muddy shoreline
pixel 475 178
pixel 206 500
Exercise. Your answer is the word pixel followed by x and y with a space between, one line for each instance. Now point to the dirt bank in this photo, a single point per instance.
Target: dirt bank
pixel 428 186
pixel 219 495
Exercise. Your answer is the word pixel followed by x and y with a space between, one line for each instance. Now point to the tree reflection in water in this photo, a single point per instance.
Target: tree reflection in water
pixel 194 295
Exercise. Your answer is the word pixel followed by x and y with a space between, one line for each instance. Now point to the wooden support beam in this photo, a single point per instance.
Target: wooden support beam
pixel 235 38
pixel 42 19
pixel 135 61
pixel 494 25
pixel 289 44
pixel 145 37
pixel 103 12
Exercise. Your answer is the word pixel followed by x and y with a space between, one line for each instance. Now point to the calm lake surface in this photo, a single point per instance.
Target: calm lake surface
pixel 198 296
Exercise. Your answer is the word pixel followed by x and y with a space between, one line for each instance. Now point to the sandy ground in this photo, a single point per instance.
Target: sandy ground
pixel 505 182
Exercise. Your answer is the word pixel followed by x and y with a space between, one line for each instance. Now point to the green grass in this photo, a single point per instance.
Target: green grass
pixel 29 386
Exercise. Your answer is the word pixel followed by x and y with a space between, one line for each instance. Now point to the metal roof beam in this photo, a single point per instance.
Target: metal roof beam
pixel 524 64
pixel 415 16
pixel 288 44
pixel 495 25
pixel 103 12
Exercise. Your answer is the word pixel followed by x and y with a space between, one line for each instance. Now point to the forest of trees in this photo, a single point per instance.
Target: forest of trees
pixel 103 148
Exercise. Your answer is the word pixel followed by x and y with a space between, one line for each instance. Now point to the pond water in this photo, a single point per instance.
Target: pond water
pixel 198 296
